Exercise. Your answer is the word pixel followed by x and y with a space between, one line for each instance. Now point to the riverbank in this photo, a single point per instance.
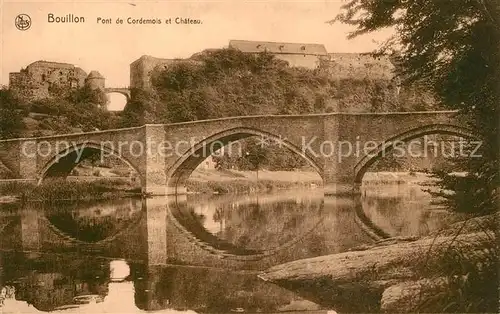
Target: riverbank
pixel 201 182
pixel 204 181
pixel 452 270
pixel 233 181
pixel 63 190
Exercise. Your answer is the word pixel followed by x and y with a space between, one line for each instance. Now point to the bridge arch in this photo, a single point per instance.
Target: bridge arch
pixel 445 129
pixel 116 101
pixel 187 163
pixel 66 160
pixel 123 91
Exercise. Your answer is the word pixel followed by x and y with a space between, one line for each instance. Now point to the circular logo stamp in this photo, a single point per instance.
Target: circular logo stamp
pixel 23 22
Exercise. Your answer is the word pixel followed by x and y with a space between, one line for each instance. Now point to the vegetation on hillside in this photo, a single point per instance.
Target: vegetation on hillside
pixel 227 82
pixel 75 110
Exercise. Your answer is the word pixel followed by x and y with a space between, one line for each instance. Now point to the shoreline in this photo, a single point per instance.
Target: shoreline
pixel 209 182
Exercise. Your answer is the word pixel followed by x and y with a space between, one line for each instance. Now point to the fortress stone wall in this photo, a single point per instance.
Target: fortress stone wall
pixel 356 66
pixel 304 61
pixel 144 68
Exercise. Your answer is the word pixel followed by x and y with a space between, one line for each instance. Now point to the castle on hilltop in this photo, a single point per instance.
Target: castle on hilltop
pixel 311 56
pixel 39 78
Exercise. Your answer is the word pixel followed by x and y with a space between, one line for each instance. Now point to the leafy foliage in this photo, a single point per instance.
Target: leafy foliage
pixel 452 47
pixel 139 109
pixel 228 82
pixel 11 122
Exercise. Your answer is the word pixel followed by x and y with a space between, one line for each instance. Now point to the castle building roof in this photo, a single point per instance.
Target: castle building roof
pixel 43 63
pixel 94 74
pixel 147 58
pixel 278 47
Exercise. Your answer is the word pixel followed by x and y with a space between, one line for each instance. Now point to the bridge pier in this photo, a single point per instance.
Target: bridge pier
pixel 156 217
pixel 30 233
pixel 20 157
pixel 154 165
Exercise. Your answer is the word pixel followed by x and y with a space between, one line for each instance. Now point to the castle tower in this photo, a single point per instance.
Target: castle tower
pixel 95 80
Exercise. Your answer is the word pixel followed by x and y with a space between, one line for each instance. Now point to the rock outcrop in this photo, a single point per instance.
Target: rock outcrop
pixel 388 276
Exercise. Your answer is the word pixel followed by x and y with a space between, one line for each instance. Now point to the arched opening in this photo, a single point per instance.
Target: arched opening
pixel 396 181
pixel 405 138
pixel 116 101
pixel 89 162
pixel 246 153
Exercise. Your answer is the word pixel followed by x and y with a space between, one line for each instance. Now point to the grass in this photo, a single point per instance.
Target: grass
pixel 63 190
pixel 242 186
pixel 469 276
pixel 219 182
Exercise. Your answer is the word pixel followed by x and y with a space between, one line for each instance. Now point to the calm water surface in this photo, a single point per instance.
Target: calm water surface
pixel 198 254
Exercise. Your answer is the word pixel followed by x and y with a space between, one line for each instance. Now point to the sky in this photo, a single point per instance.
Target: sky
pixel 110 48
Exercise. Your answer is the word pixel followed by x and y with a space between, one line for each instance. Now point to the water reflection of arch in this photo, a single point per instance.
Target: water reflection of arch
pixel 365 223
pixel 59 227
pixel 195 232
pixel 395 215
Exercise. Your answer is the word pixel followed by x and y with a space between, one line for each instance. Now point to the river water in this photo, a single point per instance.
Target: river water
pixel 190 254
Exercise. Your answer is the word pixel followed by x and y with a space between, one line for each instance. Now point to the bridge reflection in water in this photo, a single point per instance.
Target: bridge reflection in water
pixel 159 253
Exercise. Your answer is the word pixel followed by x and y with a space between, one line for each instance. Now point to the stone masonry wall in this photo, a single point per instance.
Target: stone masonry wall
pixel 298 60
pixel 338 66
pixel 35 81
pixel 358 66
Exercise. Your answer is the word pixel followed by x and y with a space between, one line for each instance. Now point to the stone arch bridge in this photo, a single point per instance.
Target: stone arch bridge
pixel 125 91
pixel 340 146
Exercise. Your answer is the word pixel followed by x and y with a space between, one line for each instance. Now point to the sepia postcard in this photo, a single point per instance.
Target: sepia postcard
pixel 273 156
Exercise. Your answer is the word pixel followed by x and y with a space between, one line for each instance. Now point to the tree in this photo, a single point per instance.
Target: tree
pixel 86 94
pixel 11 123
pixel 453 47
